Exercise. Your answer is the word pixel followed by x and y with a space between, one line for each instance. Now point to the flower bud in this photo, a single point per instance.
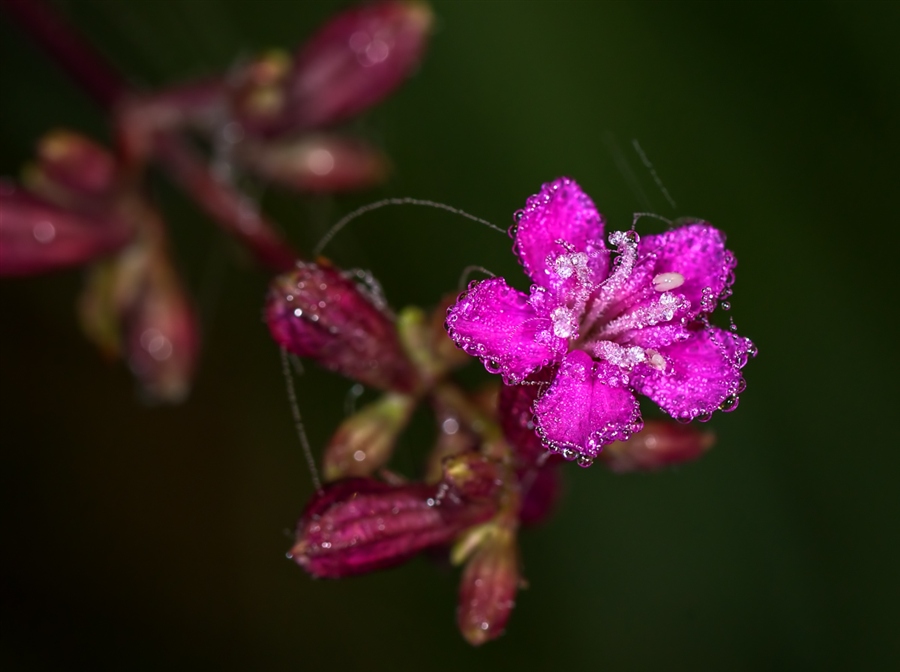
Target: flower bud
pixel 37 236
pixel 319 312
pixel 660 444
pixel 161 337
pixel 365 441
pixel 76 164
pixel 359 525
pixel 318 163
pixel 472 475
pixel 487 591
pixel 357 59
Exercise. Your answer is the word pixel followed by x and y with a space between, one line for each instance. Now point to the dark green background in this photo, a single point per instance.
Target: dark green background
pixel 144 538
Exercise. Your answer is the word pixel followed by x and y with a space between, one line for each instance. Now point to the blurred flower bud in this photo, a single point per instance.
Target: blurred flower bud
pixel 319 312
pixel 359 525
pixel 76 164
pixel 472 475
pixel 661 443
pixel 162 336
pixel 37 236
pixel 317 163
pixel 357 59
pixel 365 441
pixel 487 591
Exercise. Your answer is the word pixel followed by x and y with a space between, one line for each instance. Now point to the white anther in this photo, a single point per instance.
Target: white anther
pixel 666 281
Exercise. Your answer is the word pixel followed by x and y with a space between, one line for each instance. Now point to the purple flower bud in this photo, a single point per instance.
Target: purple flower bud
pixel 76 164
pixel 487 592
pixel 472 475
pixel 319 312
pixel 365 441
pixel 660 444
pixel 357 59
pixel 162 337
pixel 37 236
pixel 318 163
pixel 360 525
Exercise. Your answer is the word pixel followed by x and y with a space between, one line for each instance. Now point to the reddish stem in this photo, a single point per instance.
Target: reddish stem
pixel 232 210
pixel 229 208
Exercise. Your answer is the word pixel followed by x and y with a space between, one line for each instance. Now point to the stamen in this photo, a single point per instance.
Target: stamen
pixel 626 243
pixel 625 357
pixel 648 315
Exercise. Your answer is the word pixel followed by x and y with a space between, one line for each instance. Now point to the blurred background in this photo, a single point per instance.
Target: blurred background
pixel 139 537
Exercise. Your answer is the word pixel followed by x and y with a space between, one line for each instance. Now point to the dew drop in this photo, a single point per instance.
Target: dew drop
pixel 568 454
pixel 729 404
pixel 492 366
pixel 725 305
pixel 585 461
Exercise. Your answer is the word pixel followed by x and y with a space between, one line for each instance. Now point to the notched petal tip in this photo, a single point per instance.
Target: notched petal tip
pixel 560 211
pixel 588 405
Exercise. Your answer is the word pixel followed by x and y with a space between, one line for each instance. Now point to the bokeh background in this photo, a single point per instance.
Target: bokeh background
pixel 145 538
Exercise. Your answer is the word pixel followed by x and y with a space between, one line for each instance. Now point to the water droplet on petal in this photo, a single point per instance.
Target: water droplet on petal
pixel 585 461
pixel 729 404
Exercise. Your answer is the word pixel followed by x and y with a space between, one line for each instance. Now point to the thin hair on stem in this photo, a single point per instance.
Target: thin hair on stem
pixel 649 166
pixel 395 201
pixel 298 420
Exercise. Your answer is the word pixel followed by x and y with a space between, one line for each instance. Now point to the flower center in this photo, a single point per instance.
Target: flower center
pixel 601 317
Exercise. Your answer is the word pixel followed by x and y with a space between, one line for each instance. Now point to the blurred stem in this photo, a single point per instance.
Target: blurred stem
pixel 230 209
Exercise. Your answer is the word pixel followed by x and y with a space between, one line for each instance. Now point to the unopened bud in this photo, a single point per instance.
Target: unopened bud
pixel 365 441
pixel 319 163
pixel 659 444
pixel 360 525
pixel 472 475
pixel 76 164
pixel 37 236
pixel 357 59
pixel 487 591
pixel 162 339
pixel 316 311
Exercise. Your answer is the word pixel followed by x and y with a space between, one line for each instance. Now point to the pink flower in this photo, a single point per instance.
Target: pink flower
pixel 608 324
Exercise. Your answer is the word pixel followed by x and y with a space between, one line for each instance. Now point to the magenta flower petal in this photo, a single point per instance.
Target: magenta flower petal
pixel 697 252
pixel 561 211
pixel 497 324
pixel 586 407
pixel 703 374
